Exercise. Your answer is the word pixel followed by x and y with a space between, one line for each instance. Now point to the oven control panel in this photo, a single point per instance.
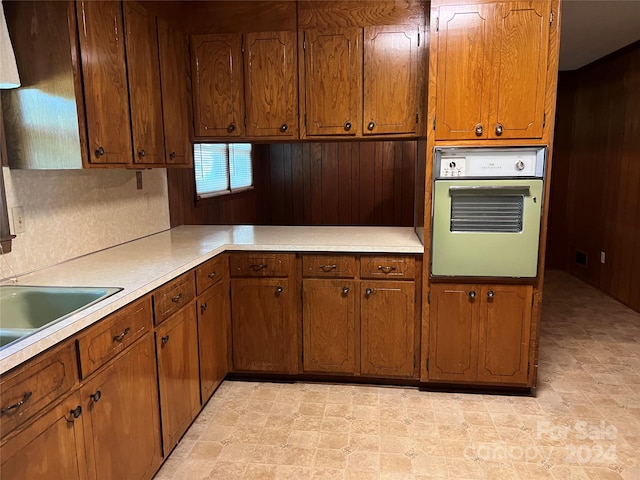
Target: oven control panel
pixel 489 162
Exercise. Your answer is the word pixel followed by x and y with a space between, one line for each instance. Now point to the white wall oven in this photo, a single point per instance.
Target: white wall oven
pixel 487 206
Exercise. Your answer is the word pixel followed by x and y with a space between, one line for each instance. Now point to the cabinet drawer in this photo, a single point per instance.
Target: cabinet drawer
pixel 260 265
pixel 35 385
pixel 329 266
pixel 210 273
pixel 112 335
pixel 388 267
pixel 172 296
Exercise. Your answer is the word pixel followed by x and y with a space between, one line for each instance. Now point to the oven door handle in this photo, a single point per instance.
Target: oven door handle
pixel 456 189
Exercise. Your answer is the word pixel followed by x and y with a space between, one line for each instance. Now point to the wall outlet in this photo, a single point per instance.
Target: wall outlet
pixel 602 257
pixel 18 219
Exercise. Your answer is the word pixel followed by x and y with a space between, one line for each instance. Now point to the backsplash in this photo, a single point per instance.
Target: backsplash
pixel 68 213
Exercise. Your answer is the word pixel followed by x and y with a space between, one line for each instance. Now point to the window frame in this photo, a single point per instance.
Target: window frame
pixel 229 191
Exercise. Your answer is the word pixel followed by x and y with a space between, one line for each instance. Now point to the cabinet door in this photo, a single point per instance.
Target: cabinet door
pixel 388 328
pixel 213 318
pixel 122 427
pixel 390 80
pixel 328 325
pixel 264 329
pixel 271 87
pixel 104 72
pixel 178 374
pixel 51 448
pixel 463 71
pixel 453 333
pixel 217 85
pixel 176 99
pixel 520 52
pixel 505 323
pixel 143 67
pixel 333 81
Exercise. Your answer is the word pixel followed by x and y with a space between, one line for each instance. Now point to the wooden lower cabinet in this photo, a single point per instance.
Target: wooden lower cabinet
pixel 213 320
pixel 329 325
pixel 122 424
pixel 479 333
pixel 51 448
pixel 263 324
pixel 178 374
pixel 388 328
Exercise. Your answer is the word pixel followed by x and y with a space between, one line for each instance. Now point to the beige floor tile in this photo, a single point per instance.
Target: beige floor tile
pixel 204 450
pixel 395 463
pixel 303 438
pixel 363 461
pixel 330 459
pixel 333 440
pixel 365 443
pixel 290 472
pixel 259 472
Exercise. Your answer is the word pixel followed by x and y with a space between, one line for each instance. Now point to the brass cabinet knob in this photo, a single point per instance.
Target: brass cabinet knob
pixel 284 127
pixel 172 155
pixel 279 289
pixel 347 126
pixel 345 290
pixel 99 151
pixel 231 128
pixel 371 125
pixel 499 129
pixel 472 294
pixel 479 130
pixel 142 153
pixel 490 294
pixel 96 396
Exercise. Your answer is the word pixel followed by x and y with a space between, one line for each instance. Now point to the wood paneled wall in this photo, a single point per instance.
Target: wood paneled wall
pixel 601 152
pixel 341 183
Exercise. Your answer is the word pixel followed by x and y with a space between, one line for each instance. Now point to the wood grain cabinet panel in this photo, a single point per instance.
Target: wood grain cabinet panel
pixel 175 81
pixel 114 334
pixel 263 323
pixel 520 56
pixel 332 60
pixel 329 325
pixel 453 333
pixel 388 328
pixel 28 389
pixel 390 80
pixel 463 71
pixel 503 342
pixel 211 272
pixel 178 374
pixel 329 266
pixel 260 264
pixel 271 84
pixel 217 85
pixel 213 322
pixel 491 70
pixel 104 70
pixel 480 333
pixel 389 267
pixel 143 70
pixel 122 424
pixel 51 448
pixel 172 296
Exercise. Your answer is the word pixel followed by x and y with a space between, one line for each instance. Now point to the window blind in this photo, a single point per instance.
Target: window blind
pixel 221 168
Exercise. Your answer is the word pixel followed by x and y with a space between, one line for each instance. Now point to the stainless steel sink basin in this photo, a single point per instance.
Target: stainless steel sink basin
pixel 25 310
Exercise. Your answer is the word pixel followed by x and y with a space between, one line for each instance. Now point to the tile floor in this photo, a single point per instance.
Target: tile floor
pixel 583 424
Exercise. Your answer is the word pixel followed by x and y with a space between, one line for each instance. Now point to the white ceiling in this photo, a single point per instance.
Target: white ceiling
pixel 593 28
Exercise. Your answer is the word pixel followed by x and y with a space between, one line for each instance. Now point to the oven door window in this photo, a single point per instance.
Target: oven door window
pixel 486 212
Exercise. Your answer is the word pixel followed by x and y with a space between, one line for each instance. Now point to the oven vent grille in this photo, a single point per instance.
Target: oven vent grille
pixel 486 213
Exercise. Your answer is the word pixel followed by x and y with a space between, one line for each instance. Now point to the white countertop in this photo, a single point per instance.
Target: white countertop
pixel 140 266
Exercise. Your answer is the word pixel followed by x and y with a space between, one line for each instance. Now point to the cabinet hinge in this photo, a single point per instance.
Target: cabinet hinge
pixel 551 19
pixel 304 44
pixel 418 38
pixel 437 24
pixel 544 120
pixel 434 122
pixel 417 116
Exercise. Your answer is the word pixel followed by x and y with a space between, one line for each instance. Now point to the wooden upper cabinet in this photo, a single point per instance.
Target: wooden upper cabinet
pixel 520 55
pixel 505 323
pixel 271 84
pixel 332 69
pixel 104 71
pixel 143 66
pixel 390 80
pixel 217 83
pixel 176 98
pixel 453 333
pixel 463 71
pixel 491 70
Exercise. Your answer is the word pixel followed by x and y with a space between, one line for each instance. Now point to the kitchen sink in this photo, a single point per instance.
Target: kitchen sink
pixel 24 310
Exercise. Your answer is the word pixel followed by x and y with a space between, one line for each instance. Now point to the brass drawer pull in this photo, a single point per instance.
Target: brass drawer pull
pixel 386 268
pixel 96 396
pixel 75 413
pixel 117 338
pixel 258 266
pixel 211 275
pixel 328 268
pixel 24 400
pixel 177 298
